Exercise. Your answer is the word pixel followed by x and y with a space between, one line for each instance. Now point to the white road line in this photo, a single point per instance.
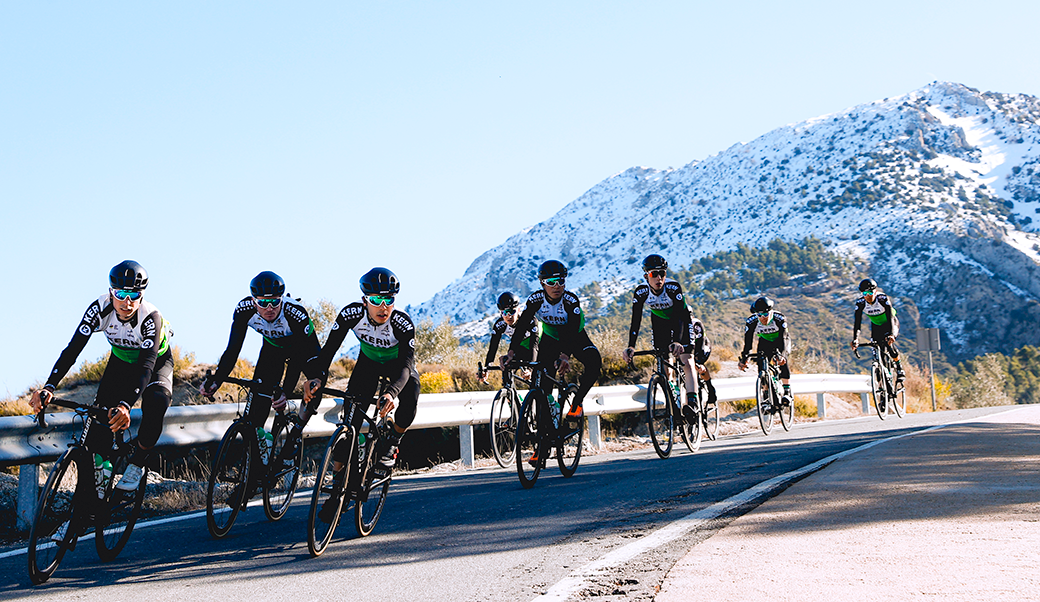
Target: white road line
pixel 582 576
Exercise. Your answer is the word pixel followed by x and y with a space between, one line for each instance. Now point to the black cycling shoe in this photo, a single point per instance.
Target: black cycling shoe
pixel 689 414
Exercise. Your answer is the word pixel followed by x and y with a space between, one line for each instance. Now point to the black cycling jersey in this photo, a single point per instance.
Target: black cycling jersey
pixel 139 341
pixel 882 315
pixel 140 368
pixel 773 338
pixel 669 315
pixel 289 337
pixel 392 342
pixel 501 329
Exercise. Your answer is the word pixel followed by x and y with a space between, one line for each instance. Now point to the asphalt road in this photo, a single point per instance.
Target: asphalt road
pixel 475 535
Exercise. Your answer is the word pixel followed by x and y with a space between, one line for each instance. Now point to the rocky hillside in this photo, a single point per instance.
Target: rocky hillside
pixel 936 193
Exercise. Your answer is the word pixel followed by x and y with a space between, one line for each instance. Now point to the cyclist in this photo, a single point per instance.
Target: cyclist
pixel 884 325
pixel 504 326
pixel 673 328
pixel 387 338
pixel 563 332
pixel 290 343
pixel 770 327
pixel 140 367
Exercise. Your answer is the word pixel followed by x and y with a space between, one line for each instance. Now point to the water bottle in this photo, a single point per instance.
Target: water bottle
pixel 675 390
pixel 554 409
pixel 361 447
pixel 266 441
pixel 102 475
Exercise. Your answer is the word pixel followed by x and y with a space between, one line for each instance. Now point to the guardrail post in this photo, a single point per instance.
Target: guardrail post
pixel 821 410
pixel 594 435
pixel 866 402
pixel 28 490
pixel 466 444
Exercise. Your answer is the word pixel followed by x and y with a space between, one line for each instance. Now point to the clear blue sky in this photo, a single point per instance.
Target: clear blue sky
pixel 210 141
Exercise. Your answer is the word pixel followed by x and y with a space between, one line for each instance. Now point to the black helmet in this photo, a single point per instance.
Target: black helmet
pixel 654 262
pixel 867 285
pixel 552 269
pixel 380 281
pixel 762 304
pixel 507 301
pixel 128 275
pixel 267 284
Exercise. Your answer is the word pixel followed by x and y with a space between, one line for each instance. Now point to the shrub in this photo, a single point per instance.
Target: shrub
pixel 182 364
pixel 436 382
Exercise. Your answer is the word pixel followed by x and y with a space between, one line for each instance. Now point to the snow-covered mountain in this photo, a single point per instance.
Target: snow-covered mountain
pixel 938 189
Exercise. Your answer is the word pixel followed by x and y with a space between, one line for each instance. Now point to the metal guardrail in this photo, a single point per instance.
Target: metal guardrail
pixel 22 442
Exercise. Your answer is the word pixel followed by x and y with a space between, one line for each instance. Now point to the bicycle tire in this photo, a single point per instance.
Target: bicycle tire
pixel 319 532
pixel 711 416
pixel 659 419
pixel 572 438
pixel 692 434
pixel 879 389
pixel 372 498
pixel 54 508
pixel 787 415
pixel 764 401
pixel 281 481
pixel 504 418
pixel 899 402
pixel 529 440
pixel 229 478
pixel 112 532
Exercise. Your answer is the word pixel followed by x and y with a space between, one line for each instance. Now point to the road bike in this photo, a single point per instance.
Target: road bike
pixel 242 466
pixel 358 479
pixel 505 414
pixel 664 398
pixel 543 427
pixel 888 392
pixel 79 495
pixel 769 396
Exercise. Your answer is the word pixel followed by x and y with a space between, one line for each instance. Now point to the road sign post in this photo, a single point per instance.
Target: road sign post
pixel 928 340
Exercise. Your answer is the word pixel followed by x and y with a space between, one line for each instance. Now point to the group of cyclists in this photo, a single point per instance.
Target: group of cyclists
pixel 550 326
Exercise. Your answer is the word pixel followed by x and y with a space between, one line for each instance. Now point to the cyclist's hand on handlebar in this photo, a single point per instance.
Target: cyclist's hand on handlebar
pixel 310 388
pixel 781 360
pixel 563 365
pixel 279 401
pixel 40 399
pixel 676 349
pixel 208 387
pixel 854 343
pixel 628 354
pixel 891 340
pixel 742 366
pixel 119 418
pixel 386 404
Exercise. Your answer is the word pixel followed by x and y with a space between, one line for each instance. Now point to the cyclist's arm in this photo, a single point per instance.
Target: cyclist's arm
pixel 857 320
pixel 496 338
pixel 347 319
pixel 523 324
pixel 749 338
pixel 784 350
pixel 90 322
pixel 305 348
pixel 570 329
pixel 152 329
pixel 890 313
pixel 239 326
pixel 637 317
pixel 405 333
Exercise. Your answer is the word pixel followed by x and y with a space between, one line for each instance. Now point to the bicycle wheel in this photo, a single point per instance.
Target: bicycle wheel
pixel 899 402
pixel 692 433
pixel 226 494
pixel 282 478
pixel 47 545
pixel 371 499
pixel 504 417
pixel 327 499
pixel 879 389
pixel 711 416
pixel 659 415
pixel 529 441
pixel 787 414
pixel 113 531
pixel 572 436
pixel 764 401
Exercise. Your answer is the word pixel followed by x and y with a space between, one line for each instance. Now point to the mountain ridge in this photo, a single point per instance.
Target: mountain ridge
pixel 941 182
